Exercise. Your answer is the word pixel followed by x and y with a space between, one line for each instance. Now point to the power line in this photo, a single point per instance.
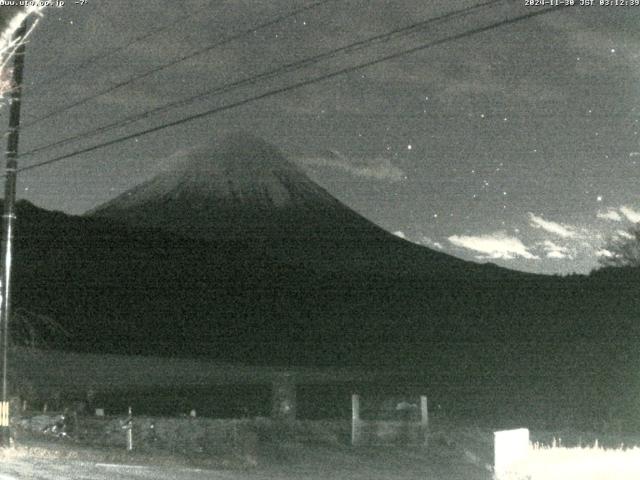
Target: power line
pixel 265 75
pixel 294 86
pixel 177 61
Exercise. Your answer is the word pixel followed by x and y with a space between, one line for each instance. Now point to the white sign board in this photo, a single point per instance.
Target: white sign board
pixel 510 447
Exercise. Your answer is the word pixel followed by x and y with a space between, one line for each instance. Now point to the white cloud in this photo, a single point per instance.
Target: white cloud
pixel 604 253
pixel 431 243
pixel 553 250
pixel 377 168
pixel 631 214
pixel 552 227
pixel 424 241
pixel 610 215
pixel 496 245
pixel 624 234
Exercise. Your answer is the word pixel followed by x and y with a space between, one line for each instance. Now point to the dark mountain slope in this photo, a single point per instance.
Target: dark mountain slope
pixel 259 264
pixel 244 190
pixel 126 290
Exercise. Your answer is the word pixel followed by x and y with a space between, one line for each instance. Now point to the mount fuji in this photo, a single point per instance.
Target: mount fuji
pixel 244 191
pixel 240 172
pixel 234 253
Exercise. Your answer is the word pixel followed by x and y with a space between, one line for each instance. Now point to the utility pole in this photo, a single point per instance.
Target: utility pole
pixel 8 218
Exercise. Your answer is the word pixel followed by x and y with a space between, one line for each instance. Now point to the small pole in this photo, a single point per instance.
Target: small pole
pixel 8 218
pixel 355 419
pixel 129 426
pixel 424 417
pixel 424 411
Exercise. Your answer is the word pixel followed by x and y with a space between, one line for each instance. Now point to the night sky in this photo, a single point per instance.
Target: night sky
pixel 516 145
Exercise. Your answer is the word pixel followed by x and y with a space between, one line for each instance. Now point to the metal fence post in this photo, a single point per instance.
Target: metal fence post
pixel 424 418
pixel 355 419
pixel 128 426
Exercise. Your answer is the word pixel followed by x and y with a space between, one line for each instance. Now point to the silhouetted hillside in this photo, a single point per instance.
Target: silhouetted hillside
pixel 480 332
pixel 153 272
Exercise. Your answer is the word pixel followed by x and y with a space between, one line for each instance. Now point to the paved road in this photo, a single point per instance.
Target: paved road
pixel 375 465
pixel 43 469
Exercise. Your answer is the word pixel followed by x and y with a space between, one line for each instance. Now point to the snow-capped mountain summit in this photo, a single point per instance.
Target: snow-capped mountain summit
pixel 241 187
pixel 240 170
